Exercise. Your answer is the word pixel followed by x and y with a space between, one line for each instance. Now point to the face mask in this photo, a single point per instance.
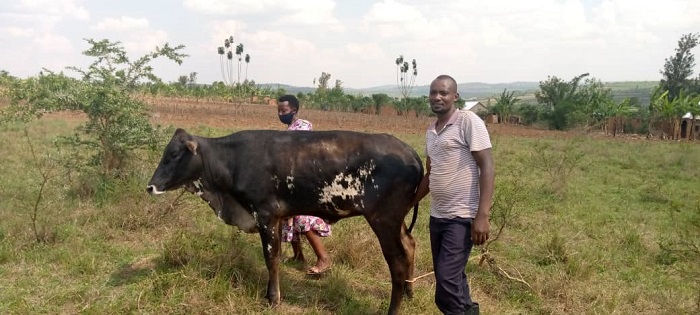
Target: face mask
pixel 287 118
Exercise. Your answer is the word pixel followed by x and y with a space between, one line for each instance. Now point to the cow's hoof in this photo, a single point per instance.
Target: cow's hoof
pixel 272 302
pixel 408 294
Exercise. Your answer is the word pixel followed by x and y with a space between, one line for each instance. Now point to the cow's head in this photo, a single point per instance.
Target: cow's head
pixel 179 165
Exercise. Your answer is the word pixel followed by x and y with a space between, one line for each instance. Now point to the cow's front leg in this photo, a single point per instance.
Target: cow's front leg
pixel 269 229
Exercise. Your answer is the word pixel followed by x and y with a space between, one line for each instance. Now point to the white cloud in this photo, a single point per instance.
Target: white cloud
pixel 365 51
pixel 124 23
pixel 145 41
pixel 391 11
pixel 56 9
pixel 53 44
pixel 283 12
pixel 222 30
pixel 392 19
pixel 278 45
pixel 17 31
pixel 227 7
pixel 136 34
pixel 313 12
pixel 651 14
pixel 294 41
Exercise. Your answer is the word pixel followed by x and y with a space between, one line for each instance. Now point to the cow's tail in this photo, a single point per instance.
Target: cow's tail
pixel 415 207
pixel 413 220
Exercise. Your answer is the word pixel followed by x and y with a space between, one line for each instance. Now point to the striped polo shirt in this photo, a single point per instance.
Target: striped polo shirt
pixel 454 175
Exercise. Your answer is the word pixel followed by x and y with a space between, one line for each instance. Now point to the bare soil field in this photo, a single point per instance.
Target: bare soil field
pixel 189 113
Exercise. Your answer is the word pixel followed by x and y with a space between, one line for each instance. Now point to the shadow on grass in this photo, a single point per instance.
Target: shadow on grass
pixel 237 262
pixel 133 272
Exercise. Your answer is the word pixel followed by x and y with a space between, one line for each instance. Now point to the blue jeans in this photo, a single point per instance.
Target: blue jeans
pixel 451 244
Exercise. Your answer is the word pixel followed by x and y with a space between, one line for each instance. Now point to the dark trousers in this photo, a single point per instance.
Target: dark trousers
pixel 451 244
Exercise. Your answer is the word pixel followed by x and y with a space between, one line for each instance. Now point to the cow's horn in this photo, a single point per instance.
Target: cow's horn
pixel 192 146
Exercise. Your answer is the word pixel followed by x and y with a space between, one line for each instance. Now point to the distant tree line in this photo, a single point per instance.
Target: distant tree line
pixel 585 101
pixel 560 104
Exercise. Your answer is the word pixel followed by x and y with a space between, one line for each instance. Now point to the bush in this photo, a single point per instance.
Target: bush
pixel 117 124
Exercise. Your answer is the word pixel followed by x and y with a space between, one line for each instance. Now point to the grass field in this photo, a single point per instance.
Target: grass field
pixel 593 226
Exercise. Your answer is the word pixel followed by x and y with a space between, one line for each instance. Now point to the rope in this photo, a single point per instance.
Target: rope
pixel 416 278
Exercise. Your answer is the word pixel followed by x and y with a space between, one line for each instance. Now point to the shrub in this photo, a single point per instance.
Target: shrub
pixel 117 123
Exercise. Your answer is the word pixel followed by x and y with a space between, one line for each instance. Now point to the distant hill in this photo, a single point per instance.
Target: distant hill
pixel 477 90
pixel 467 90
pixel 289 88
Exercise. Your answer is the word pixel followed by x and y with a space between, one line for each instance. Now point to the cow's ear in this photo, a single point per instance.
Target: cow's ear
pixel 192 146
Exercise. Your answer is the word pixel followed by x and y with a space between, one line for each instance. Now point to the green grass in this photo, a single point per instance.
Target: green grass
pixel 588 243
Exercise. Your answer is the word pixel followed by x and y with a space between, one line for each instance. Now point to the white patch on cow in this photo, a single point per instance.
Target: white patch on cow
pixel 355 187
pixel 255 217
pixel 200 191
pixel 154 190
pixel 290 179
pixel 275 180
pixel 290 183
pixel 269 248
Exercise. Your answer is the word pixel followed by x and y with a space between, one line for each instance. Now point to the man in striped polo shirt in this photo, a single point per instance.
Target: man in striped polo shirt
pixel 460 178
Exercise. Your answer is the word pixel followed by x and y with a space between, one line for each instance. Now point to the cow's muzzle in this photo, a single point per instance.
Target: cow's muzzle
pixel 153 190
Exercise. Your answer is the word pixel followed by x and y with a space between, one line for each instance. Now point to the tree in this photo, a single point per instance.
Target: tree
pixel 597 102
pixel 192 79
pixel 182 80
pixel 505 105
pixel 679 67
pixel 614 113
pixel 561 99
pixel 239 53
pixel 5 79
pixel 247 61
pixel 668 111
pixel 226 61
pixel 530 113
pixel 336 97
pixel 226 52
pixel 380 100
pixel 118 124
pixel 404 79
pixel 323 81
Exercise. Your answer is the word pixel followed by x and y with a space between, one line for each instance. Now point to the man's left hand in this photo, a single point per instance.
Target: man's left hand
pixel 480 230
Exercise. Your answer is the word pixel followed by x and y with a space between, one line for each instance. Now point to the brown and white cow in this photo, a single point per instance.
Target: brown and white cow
pixel 253 179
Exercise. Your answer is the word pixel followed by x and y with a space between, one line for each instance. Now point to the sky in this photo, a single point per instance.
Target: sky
pixel 358 41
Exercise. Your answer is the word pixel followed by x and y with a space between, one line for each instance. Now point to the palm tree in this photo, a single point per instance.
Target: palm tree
pixel 247 61
pixel 404 82
pixel 618 111
pixel 239 53
pixel 505 104
pixel 226 72
pixel 669 112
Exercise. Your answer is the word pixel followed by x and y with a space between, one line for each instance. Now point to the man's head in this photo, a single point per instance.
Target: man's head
pixel 287 108
pixel 443 94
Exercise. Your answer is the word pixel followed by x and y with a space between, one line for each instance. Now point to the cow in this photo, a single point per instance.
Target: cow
pixel 253 179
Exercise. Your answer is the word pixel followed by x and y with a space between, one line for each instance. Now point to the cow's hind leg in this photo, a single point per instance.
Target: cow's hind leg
pixel 397 257
pixel 409 245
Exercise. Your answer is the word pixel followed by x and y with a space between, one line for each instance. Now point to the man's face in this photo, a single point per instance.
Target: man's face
pixel 443 94
pixel 283 108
